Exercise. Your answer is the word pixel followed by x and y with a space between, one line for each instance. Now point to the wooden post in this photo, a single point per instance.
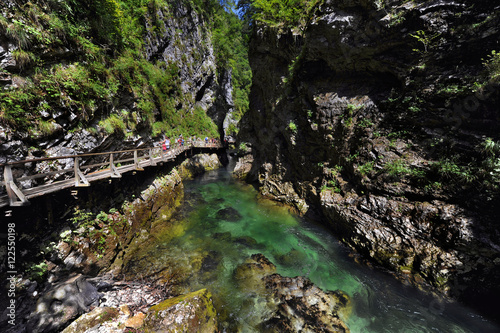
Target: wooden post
pixel 50 210
pixel 114 171
pixel 80 180
pixel 151 159
pixel 136 162
pixel 12 190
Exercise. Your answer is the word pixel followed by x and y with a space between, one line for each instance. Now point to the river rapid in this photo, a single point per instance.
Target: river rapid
pixel 225 221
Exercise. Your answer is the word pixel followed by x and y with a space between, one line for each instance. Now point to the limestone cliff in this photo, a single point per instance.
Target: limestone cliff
pixel 378 115
pixel 107 75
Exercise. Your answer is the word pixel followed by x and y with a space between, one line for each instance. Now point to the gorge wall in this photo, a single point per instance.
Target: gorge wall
pixel 90 77
pixel 382 118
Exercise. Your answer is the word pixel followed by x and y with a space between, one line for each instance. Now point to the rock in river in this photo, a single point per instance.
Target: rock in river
pixel 293 304
pixel 228 214
pixel 193 312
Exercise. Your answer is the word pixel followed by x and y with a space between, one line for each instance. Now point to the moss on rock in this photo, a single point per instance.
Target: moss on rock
pixel 193 312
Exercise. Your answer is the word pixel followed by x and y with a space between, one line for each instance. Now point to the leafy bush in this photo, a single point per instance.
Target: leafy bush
pixel 81 217
pixel 491 163
pixel 37 271
pixel 400 168
pixel 243 147
pixel 285 14
pixel 366 169
pixel 397 168
pixel 46 127
pixel 449 169
pixel 113 124
pixel 493 66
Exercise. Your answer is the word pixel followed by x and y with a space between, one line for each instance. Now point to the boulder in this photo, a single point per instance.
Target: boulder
pixel 249 274
pixel 300 306
pixel 198 165
pixel 289 304
pixel 193 312
pixel 62 303
pixel 94 321
pixel 228 214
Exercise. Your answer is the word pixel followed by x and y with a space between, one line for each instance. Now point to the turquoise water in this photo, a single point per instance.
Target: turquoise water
pixel 214 244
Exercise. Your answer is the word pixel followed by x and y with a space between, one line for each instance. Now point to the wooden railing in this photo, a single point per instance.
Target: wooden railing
pixel 111 165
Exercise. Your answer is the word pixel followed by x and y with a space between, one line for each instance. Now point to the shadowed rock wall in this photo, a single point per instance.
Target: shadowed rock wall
pixel 375 119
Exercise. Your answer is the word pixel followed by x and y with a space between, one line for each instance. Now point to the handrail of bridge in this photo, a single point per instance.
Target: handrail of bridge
pixel 109 168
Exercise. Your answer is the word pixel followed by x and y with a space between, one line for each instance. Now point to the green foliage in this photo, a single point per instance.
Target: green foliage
pixel 365 122
pixel 37 271
pixel 397 167
pixel 110 20
pixel 81 217
pixel 243 147
pixel 335 171
pixel 424 38
pixel 285 14
pixel 292 127
pixel 491 162
pixel 199 124
pixel 231 51
pixel 396 17
pixel 46 127
pixel 113 124
pixel 400 168
pixel 366 169
pixel 493 66
pixel 347 116
pixel 433 187
pixel 450 170
pixel 331 185
pixel 23 58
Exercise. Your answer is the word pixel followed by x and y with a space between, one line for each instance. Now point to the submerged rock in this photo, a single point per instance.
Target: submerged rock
pixel 290 304
pixel 300 306
pixel 249 274
pixel 228 214
pixel 222 236
pixel 193 312
pixel 246 241
pixel 210 262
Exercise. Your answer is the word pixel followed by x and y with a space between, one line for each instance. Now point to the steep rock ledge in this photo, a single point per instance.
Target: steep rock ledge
pixel 379 130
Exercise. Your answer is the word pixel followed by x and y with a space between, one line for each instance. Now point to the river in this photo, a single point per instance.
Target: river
pixel 225 222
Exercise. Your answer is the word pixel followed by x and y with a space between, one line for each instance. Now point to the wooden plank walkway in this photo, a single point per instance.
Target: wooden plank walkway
pixel 15 196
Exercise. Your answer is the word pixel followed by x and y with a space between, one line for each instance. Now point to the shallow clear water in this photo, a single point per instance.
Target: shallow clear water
pixel 217 244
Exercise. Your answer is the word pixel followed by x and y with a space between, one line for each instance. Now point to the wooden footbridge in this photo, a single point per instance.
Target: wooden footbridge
pixel 38 178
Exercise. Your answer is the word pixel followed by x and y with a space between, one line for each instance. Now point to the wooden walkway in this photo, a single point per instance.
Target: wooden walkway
pixel 111 165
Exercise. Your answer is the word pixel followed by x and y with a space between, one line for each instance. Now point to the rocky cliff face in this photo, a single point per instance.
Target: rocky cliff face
pixel 184 38
pixel 177 40
pixel 378 117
